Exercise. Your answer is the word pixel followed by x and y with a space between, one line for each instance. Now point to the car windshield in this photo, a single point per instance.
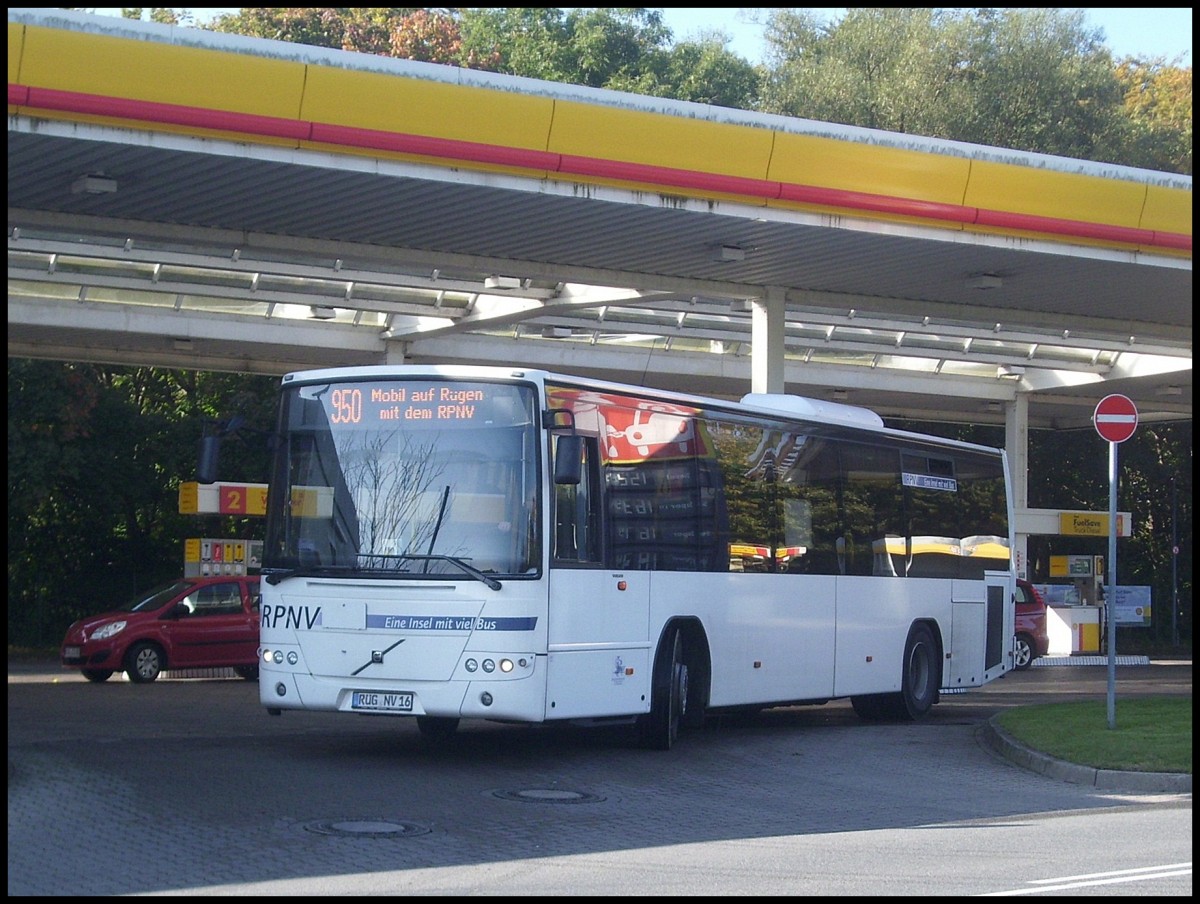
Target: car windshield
pixel 155 598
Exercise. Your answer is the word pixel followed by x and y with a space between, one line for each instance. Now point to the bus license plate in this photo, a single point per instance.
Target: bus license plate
pixel 383 702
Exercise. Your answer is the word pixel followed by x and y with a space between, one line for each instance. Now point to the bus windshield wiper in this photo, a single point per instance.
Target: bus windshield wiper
pixel 469 569
pixel 274 575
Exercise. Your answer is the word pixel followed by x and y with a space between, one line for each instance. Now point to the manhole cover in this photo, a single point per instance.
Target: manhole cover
pixel 366 828
pixel 548 796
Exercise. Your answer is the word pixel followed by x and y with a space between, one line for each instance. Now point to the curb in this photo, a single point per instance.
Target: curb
pixel 1102 779
pixel 1078 659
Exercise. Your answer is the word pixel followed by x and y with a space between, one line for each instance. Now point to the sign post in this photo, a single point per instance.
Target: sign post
pixel 1115 420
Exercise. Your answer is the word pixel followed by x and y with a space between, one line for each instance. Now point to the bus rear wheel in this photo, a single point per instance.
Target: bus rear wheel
pixel 919 683
pixel 921 678
pixel 659 729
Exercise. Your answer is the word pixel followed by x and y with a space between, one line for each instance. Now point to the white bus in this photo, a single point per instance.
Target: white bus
pixel 514 545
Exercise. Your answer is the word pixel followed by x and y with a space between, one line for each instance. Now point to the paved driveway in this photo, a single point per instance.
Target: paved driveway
pixel 189 787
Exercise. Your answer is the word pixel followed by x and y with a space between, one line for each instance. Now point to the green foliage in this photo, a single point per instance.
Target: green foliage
pixel 96 456
pixel 1149 735
pixel 622 49
pixel 1158 105
pixel 1024 78
pixel 404 32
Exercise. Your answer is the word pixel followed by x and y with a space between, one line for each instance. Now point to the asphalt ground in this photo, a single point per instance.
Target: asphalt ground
pixel 187 786
pixel 1051 680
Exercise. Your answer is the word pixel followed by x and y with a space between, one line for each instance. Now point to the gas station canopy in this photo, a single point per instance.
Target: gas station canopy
pixel 189 199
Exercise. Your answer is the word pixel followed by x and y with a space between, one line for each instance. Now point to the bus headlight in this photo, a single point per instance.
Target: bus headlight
pixel 506 665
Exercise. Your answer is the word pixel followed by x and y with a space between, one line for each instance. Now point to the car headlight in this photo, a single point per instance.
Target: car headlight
pixel 106 631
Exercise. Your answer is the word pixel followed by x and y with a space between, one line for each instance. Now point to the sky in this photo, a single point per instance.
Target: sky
pixel 1165 32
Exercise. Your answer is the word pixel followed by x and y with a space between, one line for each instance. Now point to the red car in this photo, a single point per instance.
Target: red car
pixel 1032 639
pixel 202 622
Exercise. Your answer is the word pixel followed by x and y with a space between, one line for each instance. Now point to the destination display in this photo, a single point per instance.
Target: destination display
pixel 416 404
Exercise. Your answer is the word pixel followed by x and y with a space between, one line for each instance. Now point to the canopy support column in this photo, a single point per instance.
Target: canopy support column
pixel 767 329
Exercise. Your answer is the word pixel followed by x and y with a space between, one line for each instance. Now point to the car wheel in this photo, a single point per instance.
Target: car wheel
pixel 143 663
pixel 97 675
pixel 1024 653
pixel 249 672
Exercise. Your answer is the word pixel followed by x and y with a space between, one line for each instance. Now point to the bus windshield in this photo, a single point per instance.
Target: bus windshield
pixel 419 478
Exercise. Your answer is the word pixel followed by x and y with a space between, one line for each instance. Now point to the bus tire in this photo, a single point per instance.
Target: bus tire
pixel 919 684
pixel 659 729
pixel 921 678
pixel 869 707
pixel 437 728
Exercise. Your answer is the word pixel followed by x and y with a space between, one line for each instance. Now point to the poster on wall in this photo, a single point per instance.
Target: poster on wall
pixel 1132 607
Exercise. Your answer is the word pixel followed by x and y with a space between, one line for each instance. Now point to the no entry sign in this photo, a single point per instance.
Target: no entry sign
pixel 1115 418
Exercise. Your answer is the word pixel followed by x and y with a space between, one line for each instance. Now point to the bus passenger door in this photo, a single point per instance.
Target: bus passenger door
pixel 599 654
pixel 598 660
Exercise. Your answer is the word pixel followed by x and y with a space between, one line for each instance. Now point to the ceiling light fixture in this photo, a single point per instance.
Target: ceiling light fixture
pixel 728 253
pixel 984 281
pixel 502 282
pixel 94 184
pixel 322 312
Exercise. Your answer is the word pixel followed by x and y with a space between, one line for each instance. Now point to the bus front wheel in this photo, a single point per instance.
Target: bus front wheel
pixel 659 729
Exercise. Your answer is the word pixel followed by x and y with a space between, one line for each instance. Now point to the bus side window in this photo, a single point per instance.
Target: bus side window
pixel 576 520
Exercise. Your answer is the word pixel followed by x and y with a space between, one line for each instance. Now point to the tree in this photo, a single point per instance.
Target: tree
pixel 581 46
pixel 1028 79
pixel 96 456
pixel 1158 105
pixel 411 33
pixel 623 49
